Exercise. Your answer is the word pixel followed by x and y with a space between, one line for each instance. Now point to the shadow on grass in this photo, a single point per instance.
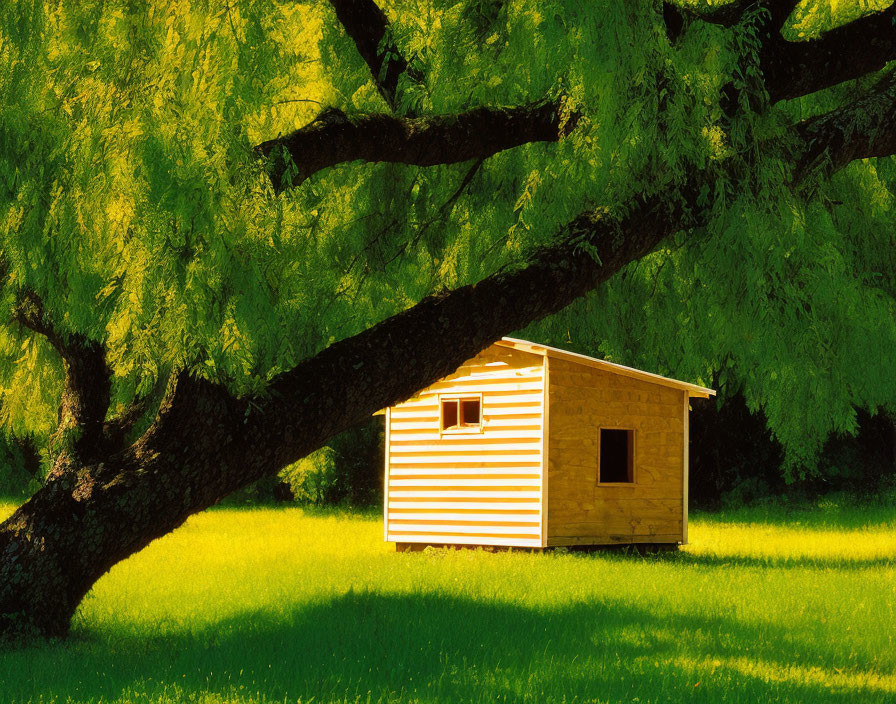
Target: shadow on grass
pixel 683 557
pixel 406 647
pixel 806 562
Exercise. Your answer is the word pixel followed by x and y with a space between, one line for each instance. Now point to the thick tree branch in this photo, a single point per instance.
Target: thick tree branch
pixel 355 377
pixel 360 371
pixel 369 28
pixel 87 386
pixel 794 69
pixel 726 15
pixel 731 13
pixel 856 49
pixel 864 128
pixel 334 138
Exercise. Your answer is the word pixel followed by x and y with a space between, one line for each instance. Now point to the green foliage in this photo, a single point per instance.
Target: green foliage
pixel 347 471
pixel 16 482
pixel 771 604
pixel 131 202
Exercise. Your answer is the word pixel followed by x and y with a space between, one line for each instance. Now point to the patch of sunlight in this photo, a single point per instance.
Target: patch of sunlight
pixel 775 542
pixel 833 679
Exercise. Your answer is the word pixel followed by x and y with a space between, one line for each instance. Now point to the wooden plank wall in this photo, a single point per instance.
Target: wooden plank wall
pixel 581 512
pixel 477 488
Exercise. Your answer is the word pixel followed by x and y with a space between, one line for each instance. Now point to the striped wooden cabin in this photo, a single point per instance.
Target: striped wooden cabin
pixel 466 457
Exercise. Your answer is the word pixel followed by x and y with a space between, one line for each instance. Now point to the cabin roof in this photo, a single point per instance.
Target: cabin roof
pixel 694 391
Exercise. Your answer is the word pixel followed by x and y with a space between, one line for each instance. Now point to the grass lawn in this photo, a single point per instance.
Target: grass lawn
pixel 277 605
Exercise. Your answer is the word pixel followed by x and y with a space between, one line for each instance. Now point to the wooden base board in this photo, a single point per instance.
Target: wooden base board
pixel 639 548
pixel 420 547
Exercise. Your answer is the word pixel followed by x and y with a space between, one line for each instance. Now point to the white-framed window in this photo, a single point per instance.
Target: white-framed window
pixel 460 413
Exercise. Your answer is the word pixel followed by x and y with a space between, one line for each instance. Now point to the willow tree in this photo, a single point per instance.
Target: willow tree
pixel 231 230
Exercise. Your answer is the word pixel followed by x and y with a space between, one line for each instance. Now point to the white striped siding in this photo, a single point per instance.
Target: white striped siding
pixel 497 413
pixel 454 446
pixel 405 492
pixel 470 481
pixel 482 518
pixel 455 387
pixel 529 397
pixel 481 488
pixel 524 505
pixel 528 472
pixel 484 457
pixel 442 528
pixel 424 426
pixel 402 439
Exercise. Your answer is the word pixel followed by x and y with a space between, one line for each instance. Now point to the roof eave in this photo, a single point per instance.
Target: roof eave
pixel 694 391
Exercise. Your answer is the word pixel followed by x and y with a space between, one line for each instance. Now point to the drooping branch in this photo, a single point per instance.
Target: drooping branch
pixel 676 16
pixel 726 15
pixel 360 371
pixel 87 385
pixel 334 138
pixel 369 28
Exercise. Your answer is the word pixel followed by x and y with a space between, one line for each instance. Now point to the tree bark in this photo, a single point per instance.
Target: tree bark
pixel 794 69
pixel 89 517
pixel 864 128
pixel 856 49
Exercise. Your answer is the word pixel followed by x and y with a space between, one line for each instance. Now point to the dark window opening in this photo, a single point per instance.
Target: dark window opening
pixel 449 414
pixel 469 411
pixel 617 450
pixel 461 414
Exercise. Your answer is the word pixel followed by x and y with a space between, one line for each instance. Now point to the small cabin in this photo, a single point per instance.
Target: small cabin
pixel 531 446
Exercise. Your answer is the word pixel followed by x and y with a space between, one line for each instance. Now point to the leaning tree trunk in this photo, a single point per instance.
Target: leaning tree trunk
pixel 87 518
pixel 205 444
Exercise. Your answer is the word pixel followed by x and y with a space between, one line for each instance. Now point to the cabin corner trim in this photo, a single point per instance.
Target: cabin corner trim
pixel 545 444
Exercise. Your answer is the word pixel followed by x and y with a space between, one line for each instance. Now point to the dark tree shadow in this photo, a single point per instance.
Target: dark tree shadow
pixel 410 647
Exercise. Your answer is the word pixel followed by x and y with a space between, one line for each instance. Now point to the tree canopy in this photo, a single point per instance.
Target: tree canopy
pixel 134 205
pixel 222 198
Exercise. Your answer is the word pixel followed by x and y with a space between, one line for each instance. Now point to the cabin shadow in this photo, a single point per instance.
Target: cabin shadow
pixel 413 647
pixel 786 562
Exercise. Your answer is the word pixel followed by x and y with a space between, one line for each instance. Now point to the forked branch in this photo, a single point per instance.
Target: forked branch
pixel 87 385
pixel 853 50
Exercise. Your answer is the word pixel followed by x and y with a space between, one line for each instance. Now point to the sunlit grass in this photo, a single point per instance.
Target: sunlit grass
pixel 275 605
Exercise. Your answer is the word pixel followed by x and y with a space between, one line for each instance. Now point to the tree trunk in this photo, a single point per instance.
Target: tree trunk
pixel 205 444
pixel 87 518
